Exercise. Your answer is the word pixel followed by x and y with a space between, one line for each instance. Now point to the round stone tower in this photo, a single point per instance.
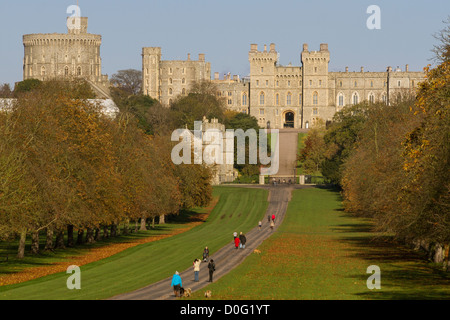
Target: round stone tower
pixel 65 56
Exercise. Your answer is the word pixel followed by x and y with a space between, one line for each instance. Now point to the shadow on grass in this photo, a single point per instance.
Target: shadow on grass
pixel 405 274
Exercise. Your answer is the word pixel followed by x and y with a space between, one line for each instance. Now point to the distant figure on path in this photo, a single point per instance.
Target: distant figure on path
pixel 273 217
pixel 242 241
pixel 268 218
pixel 259 225
pixel 272 224
pixel 176 283
pixel 212 268
pixel 236 242
pixel 205 254
pixel 196 269
pixel 235 235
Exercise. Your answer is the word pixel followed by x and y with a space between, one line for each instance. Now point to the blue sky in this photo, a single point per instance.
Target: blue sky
pixel 224 30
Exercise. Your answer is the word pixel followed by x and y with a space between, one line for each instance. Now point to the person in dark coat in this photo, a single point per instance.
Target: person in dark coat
pixel 212 268
pixel 205 254
pixel 268 218
pixel 242 241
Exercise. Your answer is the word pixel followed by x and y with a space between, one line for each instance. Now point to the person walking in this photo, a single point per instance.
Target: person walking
pixel 205 254
pixel 212 268
pixel 273 217
pixel 268 218
pixel 272 224
pixel 235 235
pixel 260 225
pixel 236 242
pixel 242 241
pixel 176 283
pixel 196 269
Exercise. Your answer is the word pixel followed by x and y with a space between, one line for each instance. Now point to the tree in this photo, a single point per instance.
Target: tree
pixel 130 81
pixel 313 153
pixel 5 91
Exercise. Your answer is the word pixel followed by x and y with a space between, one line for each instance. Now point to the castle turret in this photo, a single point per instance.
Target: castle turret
pixel 151 59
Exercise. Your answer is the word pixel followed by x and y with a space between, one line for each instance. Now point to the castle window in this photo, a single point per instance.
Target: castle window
pixel 261 98
pixel 267 83
pixel 261 112
pixel 257 82
pixel 371 98
pixel 289 83
pixel 230 101
pixel 230 94
pixel 315 98
pixel 183 81
pixel 399 83
pixel 340 83
pixel 170 70
pixel 315 69
pixel 315 111
pixel 288 99
pixel 66 71
pixel 262 69
pixel 184 70
pixel 341 100
pixel 244 99
pixel 183 92
pixel 79 71
pixel 355 98
pixel 170 81
pixel 384 98
pixel 371 84
pixel 277 99
pixel 43 71
pixel 320 83
pixel 310 82
pixel 170 91
pixel 300 99
pixel 278 83
pixel 356 84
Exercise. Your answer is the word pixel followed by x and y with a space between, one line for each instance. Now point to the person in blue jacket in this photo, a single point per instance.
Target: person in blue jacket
pixel 176 283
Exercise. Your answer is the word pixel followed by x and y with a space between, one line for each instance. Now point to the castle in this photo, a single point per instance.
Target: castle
pixel 66 56
pixel 278 96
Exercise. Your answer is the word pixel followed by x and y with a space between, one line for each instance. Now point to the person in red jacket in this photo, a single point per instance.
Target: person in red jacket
pixel 273 217
pixel 236 242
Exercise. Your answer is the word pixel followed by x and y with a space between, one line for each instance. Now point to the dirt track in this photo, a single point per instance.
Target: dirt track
pixel 226 258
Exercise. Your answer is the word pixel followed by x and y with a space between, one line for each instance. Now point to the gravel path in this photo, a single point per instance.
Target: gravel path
pixel 226 258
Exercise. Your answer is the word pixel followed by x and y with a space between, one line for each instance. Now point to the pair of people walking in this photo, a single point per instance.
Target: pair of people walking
pixel 239 242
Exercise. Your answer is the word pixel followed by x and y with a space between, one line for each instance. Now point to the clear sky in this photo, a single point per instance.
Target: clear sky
pixel 224 30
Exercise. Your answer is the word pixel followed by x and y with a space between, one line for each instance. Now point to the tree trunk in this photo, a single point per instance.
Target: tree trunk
pixel 126 227
pixel 60 240
pixel 135 226
pixel 162 219
pixel 97 234
pixel 105 232
pixel 113 230
pixel 21 249
pixel 90 236
pixel 49 240
pixel 35 242
pixel 143 227
pixel 80 236
pixel 153 222
pixel 70 242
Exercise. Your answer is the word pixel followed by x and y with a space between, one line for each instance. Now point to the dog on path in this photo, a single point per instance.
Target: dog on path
pixel 257 251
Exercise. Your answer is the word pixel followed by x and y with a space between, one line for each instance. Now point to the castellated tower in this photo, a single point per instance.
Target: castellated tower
pixel 315 85
pixel 65 56
pixel 165 80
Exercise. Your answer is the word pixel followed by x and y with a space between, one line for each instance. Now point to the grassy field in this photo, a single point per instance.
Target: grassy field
pixel 237 209
pixel 319 252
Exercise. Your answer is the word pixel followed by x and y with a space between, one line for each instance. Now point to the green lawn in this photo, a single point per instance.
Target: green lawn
pixel 237 209
pixel 320 252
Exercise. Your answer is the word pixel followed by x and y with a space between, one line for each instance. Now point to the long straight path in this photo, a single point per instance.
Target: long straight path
pixel 225 259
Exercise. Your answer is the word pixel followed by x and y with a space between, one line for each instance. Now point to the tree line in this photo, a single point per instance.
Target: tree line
pixel 392 161
pixel 66 168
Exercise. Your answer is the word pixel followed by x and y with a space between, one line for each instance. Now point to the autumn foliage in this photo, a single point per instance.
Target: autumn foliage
pixel 64 165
